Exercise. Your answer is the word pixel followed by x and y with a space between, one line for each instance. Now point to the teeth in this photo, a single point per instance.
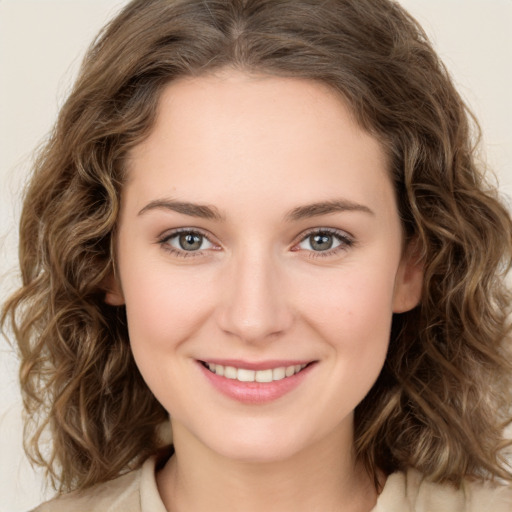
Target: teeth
pixel 279 373
pixel 229 371
pixel 244 375
pixel 263 376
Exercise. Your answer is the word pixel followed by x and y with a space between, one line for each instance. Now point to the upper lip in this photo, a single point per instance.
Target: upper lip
pixel 257 365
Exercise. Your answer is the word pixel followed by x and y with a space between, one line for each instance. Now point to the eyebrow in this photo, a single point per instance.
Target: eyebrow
pixel 325 208
pixel 201 211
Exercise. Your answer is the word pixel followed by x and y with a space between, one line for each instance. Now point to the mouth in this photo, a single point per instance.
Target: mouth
pixel 249 375
pixel 255 383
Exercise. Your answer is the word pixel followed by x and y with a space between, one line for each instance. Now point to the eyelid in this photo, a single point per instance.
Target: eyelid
pixel 164 237
pixel 346 241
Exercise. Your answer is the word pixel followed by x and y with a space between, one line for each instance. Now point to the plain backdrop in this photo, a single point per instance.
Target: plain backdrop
pixel 41 46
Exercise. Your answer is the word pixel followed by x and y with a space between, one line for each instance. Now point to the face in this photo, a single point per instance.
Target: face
pixel 260 259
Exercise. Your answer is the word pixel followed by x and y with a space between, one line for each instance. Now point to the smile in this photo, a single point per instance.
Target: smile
pixel 246 375
pixel 255 383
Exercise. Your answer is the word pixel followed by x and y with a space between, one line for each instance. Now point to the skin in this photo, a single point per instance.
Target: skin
pixel 254 149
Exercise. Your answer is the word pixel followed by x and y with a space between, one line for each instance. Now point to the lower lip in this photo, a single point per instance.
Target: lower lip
pixel 255 392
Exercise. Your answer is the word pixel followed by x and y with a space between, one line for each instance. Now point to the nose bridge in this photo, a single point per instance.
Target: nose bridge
pixel 255 306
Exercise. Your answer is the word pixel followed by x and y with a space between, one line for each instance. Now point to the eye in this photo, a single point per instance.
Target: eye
pixel 187 241
pixel 325 241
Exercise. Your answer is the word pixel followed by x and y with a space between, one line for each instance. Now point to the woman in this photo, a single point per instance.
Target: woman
pixel 264 220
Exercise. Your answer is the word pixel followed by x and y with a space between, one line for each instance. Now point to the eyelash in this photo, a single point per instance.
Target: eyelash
pixel 164 242
pixel 345 242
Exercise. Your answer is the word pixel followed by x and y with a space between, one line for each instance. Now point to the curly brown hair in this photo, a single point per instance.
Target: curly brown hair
pixel 443 396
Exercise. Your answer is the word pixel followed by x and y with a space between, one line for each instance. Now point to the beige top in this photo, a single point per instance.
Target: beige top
pixel 403 492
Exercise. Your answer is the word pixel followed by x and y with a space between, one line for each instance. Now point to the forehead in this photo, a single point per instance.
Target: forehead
pixel 252 133
pixel 230 96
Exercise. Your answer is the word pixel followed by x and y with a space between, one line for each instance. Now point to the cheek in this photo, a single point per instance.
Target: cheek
pixel 164 311
pixel 355 320
pixel 354 312
pixel 163 306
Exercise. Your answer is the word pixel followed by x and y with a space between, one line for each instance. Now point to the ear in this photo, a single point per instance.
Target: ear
pixel 409 279
pixel 113 292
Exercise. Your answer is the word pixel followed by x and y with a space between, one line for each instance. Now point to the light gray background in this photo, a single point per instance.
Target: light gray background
pixel 41 45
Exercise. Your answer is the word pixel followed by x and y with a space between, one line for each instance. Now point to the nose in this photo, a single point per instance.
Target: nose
pixel 255 306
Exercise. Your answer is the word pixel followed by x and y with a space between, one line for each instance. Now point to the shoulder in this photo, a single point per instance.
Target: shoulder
pixel 127 493
pixel 411 492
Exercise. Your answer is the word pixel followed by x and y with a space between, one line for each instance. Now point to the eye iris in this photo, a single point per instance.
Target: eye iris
pixel 190 241
pixel 321 242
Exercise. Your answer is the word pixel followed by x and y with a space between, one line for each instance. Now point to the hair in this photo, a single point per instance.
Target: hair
pixel 442 399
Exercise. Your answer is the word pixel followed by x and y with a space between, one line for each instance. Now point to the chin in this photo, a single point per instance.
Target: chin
pixel 258 453
pixel 261 445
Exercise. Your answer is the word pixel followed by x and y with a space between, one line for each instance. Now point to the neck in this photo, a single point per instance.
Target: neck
pixel 325 476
